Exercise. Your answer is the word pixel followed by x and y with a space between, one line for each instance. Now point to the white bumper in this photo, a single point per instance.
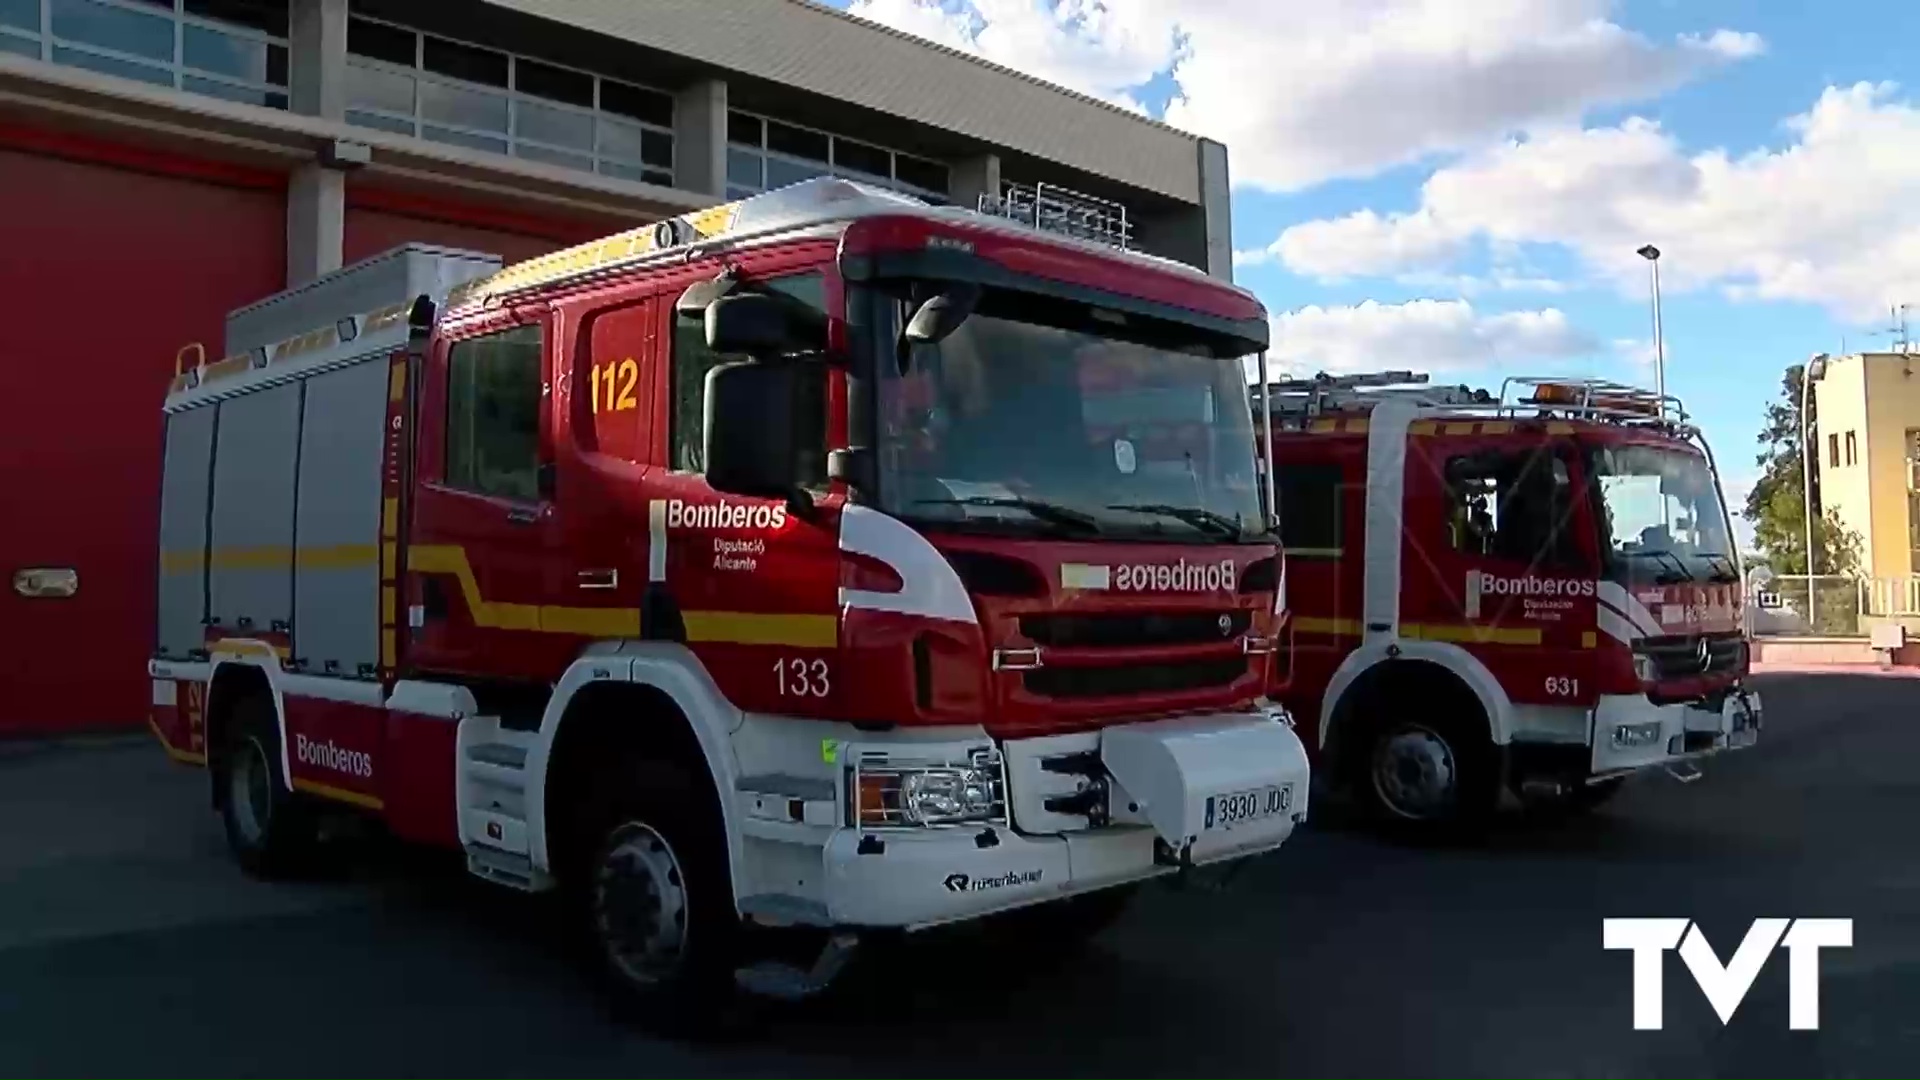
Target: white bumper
pixel 1170 783
pixel 1630 732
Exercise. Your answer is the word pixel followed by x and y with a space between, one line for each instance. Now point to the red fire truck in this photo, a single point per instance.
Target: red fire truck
pixel 759 578
pixel 1535 592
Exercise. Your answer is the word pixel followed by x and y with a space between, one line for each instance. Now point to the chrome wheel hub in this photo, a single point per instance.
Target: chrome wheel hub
pixel 640 904
pixel 1414 773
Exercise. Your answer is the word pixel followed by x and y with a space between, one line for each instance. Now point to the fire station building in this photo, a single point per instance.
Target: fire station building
pixel 165 161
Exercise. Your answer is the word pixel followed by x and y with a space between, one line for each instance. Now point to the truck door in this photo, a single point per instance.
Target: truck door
pixel 1500 561
pixel 484 521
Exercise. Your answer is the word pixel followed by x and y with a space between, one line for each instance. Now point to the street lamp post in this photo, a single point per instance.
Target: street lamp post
pixel 1814 369
pixel 1652 255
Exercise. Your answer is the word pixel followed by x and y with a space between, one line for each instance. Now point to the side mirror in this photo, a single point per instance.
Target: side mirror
pixel 760 326
pixel 753 426
pixel 942 313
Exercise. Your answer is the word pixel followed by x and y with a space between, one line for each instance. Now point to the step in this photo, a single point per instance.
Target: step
pixel 501 868
pixel 791 982
pixel 505 755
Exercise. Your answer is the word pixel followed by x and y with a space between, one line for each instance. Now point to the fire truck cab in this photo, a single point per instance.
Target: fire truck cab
pixel 791 570
pixel 1535 592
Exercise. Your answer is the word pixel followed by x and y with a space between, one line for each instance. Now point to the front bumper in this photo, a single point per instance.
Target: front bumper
pixel 1631 732
pixel 1168 780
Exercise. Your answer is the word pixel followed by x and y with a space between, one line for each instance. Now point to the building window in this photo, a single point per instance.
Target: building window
pixel 1853 448
pixel 1833 449
pixel 493 414
pixel 763 154
pixel 233 49
pixel 414 83
pixel 692 360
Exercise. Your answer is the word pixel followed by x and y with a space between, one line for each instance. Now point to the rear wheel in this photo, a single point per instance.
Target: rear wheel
pixel 271 830
pixel 1428 777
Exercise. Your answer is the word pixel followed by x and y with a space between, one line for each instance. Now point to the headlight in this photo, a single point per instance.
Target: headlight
pixel 899 796
pixel 1636 734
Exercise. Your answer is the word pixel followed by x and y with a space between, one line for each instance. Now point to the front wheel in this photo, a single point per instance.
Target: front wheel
pixel 658 901
pixel 1428 777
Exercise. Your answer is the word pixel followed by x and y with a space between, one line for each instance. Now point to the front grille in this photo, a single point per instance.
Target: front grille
pixel 1679 656
pixel 1122 631
pixel 1090 682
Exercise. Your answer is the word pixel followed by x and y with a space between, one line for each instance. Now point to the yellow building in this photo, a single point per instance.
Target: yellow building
pixel 1869 455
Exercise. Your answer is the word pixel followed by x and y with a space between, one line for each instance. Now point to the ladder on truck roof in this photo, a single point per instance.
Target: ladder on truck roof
pixel 1528 396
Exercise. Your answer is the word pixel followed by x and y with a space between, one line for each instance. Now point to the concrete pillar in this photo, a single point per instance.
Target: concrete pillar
pixel 969 179
pixel 317 57
pixel 316 222
pixel 700 139
pixel 1216 206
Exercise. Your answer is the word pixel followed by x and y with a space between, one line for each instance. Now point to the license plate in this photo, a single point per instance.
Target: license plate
pixel 1241 807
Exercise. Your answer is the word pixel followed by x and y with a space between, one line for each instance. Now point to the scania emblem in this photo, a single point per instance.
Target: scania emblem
pixel 1226 625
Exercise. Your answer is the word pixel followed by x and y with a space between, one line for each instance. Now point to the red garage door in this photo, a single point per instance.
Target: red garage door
pixel 105 271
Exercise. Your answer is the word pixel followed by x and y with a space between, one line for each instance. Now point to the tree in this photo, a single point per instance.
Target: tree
pixel 1777 504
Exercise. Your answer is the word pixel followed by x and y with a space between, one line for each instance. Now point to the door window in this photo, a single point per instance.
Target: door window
pixel 1512 505
pixel 493 414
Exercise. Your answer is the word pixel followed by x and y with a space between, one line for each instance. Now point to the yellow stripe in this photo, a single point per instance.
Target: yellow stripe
pixel 327 791
pixel 247 648
pixel 1322 425
pixel 389 604
pixel 1496 427
pixel 182 562
pixel 390 519
pixel 397 382
pixel 1313 624
pixel 387 648
pixel 390 559
pixel 500 615
pixel 1459 429
pixel 184 757
pixel 1559 427
pixel 1357 427
pixel 755 628
pixel 1422 427
pixel 1588 640
pixel 1483 635
pixel 271 557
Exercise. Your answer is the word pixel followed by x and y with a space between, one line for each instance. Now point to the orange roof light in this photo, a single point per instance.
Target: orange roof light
pixel 1555 394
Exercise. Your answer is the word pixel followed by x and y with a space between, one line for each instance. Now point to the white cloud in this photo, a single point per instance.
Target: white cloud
pixel 1832 219
pixel 1421 335
pixel 1303 93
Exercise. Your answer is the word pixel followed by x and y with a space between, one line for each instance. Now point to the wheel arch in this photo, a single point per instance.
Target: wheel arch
pixel 232 680
pixel 599 705
pixel 1403 665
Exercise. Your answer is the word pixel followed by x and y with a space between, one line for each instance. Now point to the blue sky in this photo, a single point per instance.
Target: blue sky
pixel 1459 185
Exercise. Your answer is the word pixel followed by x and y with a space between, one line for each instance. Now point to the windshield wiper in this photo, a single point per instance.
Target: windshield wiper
pixel 1722 577
pixel 1051 513
pixel 1197 516
pixel 1663 578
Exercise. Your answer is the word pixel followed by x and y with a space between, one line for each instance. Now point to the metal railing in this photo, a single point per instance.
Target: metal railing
pixel 1058 210
pixel 1830 605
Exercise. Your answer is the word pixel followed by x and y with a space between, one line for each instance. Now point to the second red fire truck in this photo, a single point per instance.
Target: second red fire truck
pixel 817 564
pixel 1535 592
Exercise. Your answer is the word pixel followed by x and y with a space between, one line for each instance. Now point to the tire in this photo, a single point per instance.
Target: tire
pixel 655 897
pixel 272 832
pixel 1428 778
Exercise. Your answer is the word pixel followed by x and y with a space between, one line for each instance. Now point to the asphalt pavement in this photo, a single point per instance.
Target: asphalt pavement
pixel 130 945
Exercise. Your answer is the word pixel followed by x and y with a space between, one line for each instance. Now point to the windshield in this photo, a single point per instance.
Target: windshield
pixel 1009 424
pixel 1661 516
